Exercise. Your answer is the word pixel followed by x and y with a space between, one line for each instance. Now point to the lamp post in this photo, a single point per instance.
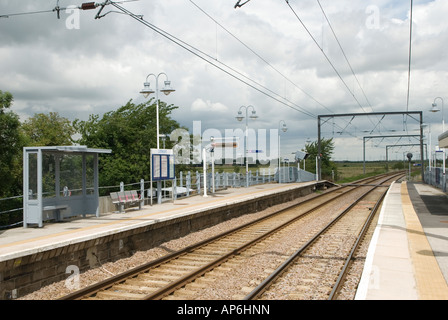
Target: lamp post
pixel 240 117
pixel 435 109
pixel 428 156
pixel 146 91
pixel 284 128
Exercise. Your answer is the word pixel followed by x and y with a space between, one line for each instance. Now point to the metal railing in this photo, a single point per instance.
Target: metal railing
pixel 434 176
pixel 188 184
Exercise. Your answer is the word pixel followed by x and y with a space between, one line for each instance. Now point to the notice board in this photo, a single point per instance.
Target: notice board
pixel 162 164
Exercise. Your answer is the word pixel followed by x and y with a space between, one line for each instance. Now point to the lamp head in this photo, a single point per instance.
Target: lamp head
pixel 146 91
pixel 434 108
pixel 239 117
pixel 284 127
pixel 253 115
pixel 167 89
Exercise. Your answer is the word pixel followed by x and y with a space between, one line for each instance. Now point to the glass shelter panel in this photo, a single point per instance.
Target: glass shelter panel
pixel 32 176
pixel 90 174
pixel 70 175
pixel 48 176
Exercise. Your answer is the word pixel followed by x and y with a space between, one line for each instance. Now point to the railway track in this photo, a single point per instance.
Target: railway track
pixel 318 268
pixel 192 273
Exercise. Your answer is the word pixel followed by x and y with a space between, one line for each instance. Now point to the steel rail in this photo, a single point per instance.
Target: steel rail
pixel 161 293
pixel 104 284
pixel 168 289
pixel 264 285
pixel 342 275
pixel 107 283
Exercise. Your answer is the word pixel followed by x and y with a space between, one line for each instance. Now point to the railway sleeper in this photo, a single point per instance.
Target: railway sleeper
pixel 139 289
pixel 185 267
pixel 148 282
pixel 168 270
pixel 115 295
pixel 198 258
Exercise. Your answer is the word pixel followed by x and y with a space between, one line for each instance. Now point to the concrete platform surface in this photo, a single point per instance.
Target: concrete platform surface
pixel 25 241
pixel 407 257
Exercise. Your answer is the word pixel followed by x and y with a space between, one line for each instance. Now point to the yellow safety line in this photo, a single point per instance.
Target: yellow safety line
pixel 129 219
pixel 431 284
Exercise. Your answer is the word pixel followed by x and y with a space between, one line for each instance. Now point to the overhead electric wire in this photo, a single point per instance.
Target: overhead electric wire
pixel 55 9
pixel 200 54
pixel 214 62
pixel 348 62
pixel 24 13
pixel 405 123
pixel 325 55
pixel 238 5
pixel 259 56
pixel 192 50
pixel 410 52
pixel 343 52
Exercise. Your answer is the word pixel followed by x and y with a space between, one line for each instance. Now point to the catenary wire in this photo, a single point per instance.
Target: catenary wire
pixel 343 52
pixel 215 63
pixel 259 56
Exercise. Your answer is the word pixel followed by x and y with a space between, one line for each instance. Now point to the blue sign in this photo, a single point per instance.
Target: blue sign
pixel 162 164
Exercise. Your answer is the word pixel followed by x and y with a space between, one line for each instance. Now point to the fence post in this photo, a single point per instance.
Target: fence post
pixel 121 190
pixel 174 188
pixel 188 183
pixel 198 182
pixel 142 194
pixel 181 179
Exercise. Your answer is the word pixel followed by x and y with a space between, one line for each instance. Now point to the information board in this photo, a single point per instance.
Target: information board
pixel 162 164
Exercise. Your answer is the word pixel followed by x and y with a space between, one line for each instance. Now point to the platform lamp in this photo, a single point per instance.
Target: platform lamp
pixel 284 128
pixel 435 109
pixel 146 91
pixel 240 118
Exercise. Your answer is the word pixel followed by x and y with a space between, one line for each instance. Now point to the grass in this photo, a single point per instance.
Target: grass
pixel 352 171
pixel 347 171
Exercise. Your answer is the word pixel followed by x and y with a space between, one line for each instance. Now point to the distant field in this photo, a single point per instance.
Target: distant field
pixel 347 171
pixel 350 171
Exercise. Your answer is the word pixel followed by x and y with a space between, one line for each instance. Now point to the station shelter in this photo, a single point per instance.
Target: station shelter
pixel 443 140
pixel 59 182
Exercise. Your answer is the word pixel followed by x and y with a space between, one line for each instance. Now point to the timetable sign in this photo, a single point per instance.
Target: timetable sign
pixel 162 164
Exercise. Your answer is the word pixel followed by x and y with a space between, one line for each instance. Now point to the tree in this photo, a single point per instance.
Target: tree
pixel 6 99
pixel 48 130
pixel 11 146
pixel 130 132
pixel 327 148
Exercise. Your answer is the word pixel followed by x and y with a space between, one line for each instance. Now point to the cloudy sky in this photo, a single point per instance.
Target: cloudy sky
pixel 282 59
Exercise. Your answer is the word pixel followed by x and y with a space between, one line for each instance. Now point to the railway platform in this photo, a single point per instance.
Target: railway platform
pixel 408 256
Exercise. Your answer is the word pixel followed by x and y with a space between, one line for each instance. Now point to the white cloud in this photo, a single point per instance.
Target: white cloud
pixel 103 64
pixel 200 105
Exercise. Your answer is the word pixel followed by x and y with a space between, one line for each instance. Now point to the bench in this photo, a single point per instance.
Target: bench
pixel 125 197
pixel 57 210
